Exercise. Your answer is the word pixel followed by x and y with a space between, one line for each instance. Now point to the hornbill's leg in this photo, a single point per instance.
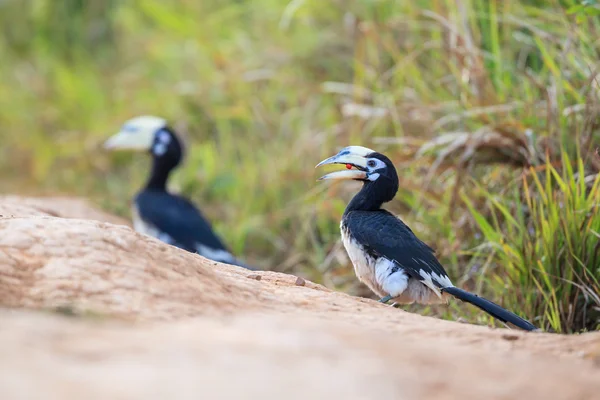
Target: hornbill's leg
pixel 385 299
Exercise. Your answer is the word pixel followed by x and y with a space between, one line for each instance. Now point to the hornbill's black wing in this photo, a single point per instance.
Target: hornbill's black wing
pixel 387 236
pixel 178 218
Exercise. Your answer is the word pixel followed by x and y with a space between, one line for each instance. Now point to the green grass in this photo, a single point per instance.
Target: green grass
pixel 546 238
pixel 264 89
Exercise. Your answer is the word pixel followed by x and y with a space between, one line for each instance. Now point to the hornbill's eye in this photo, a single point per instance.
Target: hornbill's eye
pixel 371 164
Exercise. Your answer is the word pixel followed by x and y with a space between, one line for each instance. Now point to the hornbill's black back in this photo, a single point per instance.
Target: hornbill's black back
pixel 387 256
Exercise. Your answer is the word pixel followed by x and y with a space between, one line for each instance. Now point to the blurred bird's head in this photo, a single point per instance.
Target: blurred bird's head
pixel 374 169
pixel 148 133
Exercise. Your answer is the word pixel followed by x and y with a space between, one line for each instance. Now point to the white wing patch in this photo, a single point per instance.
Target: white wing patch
pixel 429 278
pixel 392 283
pixel 215 254
pixel 443 280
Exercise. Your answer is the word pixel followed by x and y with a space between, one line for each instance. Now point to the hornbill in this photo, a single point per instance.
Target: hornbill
pixel 386 254
pixel 168 217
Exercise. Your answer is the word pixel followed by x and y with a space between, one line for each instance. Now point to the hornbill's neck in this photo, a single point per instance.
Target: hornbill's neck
pixel 167 153
pixel 373 194
pixel 161 168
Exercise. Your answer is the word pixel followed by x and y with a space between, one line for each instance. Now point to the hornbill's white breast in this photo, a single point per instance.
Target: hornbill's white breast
pixel 364 264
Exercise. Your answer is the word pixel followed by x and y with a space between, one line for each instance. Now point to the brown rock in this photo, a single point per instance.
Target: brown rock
pixel 149 321
pixel 10 210
pixel 64 207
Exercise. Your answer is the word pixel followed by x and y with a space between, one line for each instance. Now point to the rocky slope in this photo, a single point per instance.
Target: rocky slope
pixel 94 310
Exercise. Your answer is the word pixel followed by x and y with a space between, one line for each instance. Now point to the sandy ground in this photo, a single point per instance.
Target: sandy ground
pixel 94 310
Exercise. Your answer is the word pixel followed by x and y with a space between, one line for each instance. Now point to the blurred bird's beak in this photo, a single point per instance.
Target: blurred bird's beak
pixel 128 140
pixel 353 156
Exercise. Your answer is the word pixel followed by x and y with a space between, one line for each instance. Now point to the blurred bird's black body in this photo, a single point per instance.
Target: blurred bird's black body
pixel 171 218
pixel 385 253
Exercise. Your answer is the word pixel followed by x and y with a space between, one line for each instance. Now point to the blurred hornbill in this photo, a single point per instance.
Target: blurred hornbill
pixel 386 254
pixel 168 217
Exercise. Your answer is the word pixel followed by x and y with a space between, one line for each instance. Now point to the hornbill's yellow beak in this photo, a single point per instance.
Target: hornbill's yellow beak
pixel 352 156
pixel 136 141
pixel 136 134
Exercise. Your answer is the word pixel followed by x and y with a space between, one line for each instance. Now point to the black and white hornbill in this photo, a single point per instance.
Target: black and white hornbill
pixel 386 254
pixel 168 217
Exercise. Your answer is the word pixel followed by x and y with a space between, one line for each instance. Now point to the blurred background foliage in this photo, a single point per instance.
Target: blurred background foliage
pixel 488 108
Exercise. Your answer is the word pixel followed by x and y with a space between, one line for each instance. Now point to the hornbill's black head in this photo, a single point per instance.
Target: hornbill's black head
pixel 376 171
pixel 151 134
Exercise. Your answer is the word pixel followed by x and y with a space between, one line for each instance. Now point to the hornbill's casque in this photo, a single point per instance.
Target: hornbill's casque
pixel 386 254
pixel 168 217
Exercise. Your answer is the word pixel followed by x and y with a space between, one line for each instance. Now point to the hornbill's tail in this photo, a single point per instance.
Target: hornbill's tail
pixel 491 308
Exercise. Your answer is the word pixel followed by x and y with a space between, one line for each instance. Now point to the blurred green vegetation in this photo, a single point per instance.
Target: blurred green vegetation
pixel 488 108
